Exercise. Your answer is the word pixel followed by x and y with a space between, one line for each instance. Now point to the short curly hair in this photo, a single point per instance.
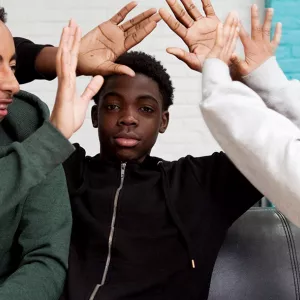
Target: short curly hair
pixel 142 63
pixel 3 15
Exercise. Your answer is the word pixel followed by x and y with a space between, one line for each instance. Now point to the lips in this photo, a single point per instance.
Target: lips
pixel 127 140
pixel 3 106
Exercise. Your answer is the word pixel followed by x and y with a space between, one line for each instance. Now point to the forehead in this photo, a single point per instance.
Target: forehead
pixel 132 87
pixel 7 46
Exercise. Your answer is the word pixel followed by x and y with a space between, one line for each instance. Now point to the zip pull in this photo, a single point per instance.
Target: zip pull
pixel 123 167
pixel 193 264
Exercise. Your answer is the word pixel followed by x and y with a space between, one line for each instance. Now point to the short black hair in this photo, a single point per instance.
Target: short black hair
pixel 142 63
pixel 3 15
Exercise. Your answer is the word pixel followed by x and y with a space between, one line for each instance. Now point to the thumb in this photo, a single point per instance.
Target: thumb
pixel 240 64
pixel 92 89
pixel 119 69
pixel 188 58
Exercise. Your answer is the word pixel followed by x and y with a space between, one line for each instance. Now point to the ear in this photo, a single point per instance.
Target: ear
pixel 94 114
pixel 164 121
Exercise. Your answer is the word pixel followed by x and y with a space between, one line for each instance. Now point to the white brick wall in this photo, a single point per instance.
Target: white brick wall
pixel 42 21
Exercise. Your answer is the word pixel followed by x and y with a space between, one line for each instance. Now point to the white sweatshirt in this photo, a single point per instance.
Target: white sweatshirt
pixel 262 143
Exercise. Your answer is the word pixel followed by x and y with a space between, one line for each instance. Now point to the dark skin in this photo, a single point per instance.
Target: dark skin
pixel 129 116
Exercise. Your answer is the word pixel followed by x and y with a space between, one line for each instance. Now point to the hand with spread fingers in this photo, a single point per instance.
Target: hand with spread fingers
pixel 226 40
pixel 196 30
pixel 104 44
pixel 258 47
pixel 69 110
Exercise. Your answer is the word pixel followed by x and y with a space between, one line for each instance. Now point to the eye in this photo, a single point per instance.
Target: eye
pixel 13 68
pixel 147 109
pixel 112 107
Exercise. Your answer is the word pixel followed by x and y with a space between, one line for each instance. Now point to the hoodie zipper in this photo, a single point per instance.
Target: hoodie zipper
pixel 111 234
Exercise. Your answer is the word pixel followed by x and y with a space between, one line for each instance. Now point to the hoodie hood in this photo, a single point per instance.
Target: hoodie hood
pixel 25 115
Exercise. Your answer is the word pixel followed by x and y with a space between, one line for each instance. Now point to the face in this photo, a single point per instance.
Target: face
pixel 129 117
pixel 8 83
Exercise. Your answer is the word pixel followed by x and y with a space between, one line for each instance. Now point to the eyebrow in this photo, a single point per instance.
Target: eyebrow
pixel 143 97
pixel 14 57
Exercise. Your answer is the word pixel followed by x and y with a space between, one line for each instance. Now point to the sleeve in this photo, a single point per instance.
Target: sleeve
pixel 231 191
pixel 263 144
pixel 27 52
pixel 43 239
pixel 27 164
pixel 276 90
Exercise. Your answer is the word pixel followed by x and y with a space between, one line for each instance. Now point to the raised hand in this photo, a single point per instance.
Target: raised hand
pixel 197 31
pixel 226 40
pixel 69 110
pixel 104 44
pixel 258 47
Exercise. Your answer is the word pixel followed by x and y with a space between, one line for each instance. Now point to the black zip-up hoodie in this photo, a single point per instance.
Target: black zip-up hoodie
pixel 151 230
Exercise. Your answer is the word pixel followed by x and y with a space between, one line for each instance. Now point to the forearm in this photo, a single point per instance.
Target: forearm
pixel 263 144
pixel 45 62
pixel 26 164
pixel 276 90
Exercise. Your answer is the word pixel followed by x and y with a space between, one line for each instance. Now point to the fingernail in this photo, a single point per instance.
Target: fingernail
pixel 238 29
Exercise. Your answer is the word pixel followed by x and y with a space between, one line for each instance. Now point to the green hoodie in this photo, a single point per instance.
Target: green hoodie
pixel 35 216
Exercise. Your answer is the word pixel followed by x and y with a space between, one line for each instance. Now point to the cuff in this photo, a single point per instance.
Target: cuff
pixel 214 72
pixel 266 78
pixel 47 147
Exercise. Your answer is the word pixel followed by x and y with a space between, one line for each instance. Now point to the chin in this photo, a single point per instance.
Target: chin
pixel 128 154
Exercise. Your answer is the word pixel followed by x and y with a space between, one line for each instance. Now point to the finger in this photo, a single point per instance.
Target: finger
pixel 75 49
pixel 277 36
pixel 112 68
pixel 268 24
pixel 135 38
pixel 229 24
pixel 244 36
pixel 208 8
pixel 256 29
pixel 138 19
pixel 174 25
pixel 192 9
pixel 233 42
pixel 220 42
pixel 63 44
pixel 155 18
pixel 180 13
pixel 72 30
pixel 92 89
pixel 238 62
pixel 66 65
pixel 121 15
pixel 186 57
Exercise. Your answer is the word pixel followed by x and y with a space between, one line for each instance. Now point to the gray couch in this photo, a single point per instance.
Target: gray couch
pixel 259 259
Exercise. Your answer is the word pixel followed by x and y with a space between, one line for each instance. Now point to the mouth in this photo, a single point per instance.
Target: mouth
pixel 3 106
pixel 126 140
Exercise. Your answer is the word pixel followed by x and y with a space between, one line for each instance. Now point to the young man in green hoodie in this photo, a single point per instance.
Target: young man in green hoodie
pixel 35 215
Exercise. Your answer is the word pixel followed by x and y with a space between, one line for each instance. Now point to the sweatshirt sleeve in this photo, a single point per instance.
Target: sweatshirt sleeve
pixel 263 144
pixel 27 52
pixel 276 90
pixel 27 164
pixel 43 238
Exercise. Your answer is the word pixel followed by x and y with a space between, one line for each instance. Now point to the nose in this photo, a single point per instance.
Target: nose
pixel 9 84
pixel 128 118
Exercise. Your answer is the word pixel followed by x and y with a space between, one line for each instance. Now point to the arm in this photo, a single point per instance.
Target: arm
pixel 32 160
pixel 276 90
pixel 34 61
pixel 263 144
pixel 44 236
pixel 261 72
pixel 98 51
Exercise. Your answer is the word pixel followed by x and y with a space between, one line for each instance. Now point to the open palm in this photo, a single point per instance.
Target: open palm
pixel 197 31
pixel 105 43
